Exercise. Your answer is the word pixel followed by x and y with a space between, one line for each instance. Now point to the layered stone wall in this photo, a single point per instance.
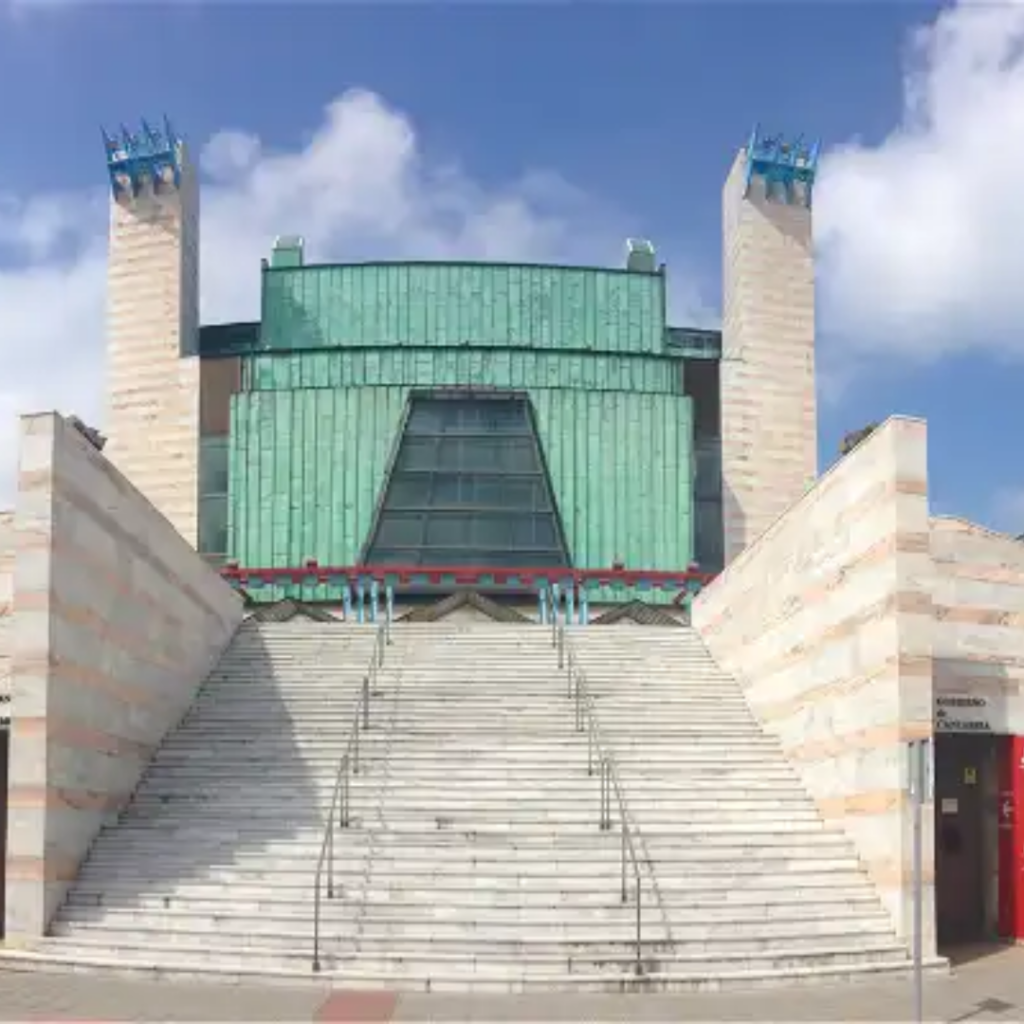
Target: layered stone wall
pixel 768 395
pixel 153 374
pixel 979 612
pixel 827 619
pixel 117 621
pixel 6 590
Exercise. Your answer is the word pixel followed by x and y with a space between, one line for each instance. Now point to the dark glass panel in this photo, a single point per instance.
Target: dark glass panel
pixel 213 466
pixel 468 488
pixel 400 528
pixel 213 525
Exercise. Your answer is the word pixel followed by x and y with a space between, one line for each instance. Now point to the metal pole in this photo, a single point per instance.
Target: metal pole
pixel 605 794
pixel 316 930
pixel 917 760
pixel 330 860
pixel 366 702
pixel 622 827
pixel 639 954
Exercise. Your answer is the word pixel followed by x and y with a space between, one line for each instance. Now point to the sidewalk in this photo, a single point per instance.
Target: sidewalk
pixel 989 987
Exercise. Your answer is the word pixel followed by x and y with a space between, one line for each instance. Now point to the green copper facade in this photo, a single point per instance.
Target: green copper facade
pixel 326 380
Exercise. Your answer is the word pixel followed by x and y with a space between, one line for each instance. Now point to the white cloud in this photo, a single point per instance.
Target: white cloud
pixel 360 188
pixel 920 235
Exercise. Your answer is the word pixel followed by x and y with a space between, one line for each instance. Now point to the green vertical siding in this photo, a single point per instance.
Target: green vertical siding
pixel 306 469
pixel 621 467
pixel 440 367
pixel 453 304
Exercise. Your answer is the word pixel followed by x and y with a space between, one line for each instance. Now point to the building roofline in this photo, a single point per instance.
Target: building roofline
pixel 659 273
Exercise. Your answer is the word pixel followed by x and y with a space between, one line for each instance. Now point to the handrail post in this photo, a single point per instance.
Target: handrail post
pixel 366 702
pixel 561 647
pixel 380 647
pixel 355 748
pixel 625 893
pixel 330 862
pixel 639 954
pixel 316 929
pixel 344 813
pixel 604 795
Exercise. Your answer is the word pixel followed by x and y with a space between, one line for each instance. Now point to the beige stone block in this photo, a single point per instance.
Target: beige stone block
pixel 827 620
pixel 123 623
pixel 153 393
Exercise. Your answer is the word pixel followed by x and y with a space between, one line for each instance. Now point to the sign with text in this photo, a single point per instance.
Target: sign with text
pixel 962 714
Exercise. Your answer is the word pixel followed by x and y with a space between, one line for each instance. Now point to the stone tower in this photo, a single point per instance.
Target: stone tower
pixel 152 416
pixel 769 407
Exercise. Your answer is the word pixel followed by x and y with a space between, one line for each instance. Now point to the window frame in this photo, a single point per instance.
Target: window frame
pixel 530 466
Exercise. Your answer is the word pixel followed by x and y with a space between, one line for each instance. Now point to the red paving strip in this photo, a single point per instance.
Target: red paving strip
pixel 358 1008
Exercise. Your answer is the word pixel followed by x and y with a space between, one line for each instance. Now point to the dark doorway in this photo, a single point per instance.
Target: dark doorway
pixel 966 837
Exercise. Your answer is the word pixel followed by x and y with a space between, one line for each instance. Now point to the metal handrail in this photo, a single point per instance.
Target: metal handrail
pixel 586 716
pixel 347 766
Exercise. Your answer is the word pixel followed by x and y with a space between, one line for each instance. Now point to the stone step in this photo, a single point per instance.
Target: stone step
pixel 413 797
pixel 548 908
pixel 560 862
pixel 388 937
pixel 456 896
pixel 704 835
pixel 563 745
pixel 440 973
pixel 350 911
pixel 322 771
pixel 720 882
pixel 178 816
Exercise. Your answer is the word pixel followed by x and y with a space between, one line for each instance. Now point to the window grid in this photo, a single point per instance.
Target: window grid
pixel 468 488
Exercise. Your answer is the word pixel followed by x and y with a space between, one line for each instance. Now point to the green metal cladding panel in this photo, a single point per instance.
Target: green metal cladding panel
pixel 306 468
pixel 436 367
pixel 452 304
pixel 622 469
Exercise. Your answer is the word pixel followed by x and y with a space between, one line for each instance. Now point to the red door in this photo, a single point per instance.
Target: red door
pixel 1011 837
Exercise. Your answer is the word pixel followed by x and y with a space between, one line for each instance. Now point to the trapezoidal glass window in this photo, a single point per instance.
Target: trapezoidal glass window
pixel 468 487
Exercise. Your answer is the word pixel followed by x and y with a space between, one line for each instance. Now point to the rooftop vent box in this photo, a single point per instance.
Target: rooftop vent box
pixel 640 256
pixel 287 251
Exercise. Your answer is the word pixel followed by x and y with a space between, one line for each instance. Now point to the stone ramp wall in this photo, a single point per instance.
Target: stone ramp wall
pixel 6 594
pixel 116 623
pixel 827 621
pixel 979 611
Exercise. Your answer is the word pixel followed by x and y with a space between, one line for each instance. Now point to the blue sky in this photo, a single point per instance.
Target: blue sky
pixel 552 131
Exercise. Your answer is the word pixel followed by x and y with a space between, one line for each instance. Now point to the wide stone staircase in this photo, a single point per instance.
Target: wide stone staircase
pixel 755 885
pixel 474 856
pixel 210 868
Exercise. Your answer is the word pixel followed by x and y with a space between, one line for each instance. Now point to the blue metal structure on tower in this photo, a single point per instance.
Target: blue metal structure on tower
pixel 133 158
pixel 782 165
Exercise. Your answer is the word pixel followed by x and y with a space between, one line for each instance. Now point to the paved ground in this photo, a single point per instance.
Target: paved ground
pixel 987 987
